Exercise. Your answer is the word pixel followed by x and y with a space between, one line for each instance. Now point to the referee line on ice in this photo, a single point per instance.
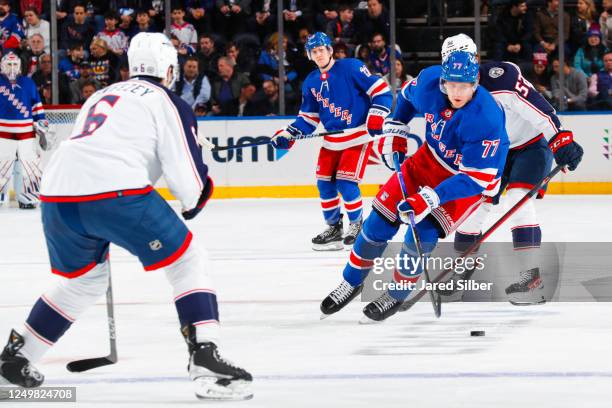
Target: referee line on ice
pixel 381 376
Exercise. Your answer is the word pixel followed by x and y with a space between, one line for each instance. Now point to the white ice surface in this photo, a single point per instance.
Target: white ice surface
pixel 270 283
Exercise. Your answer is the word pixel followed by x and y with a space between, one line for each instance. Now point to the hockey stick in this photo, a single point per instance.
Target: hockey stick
pixel 90 363
pixel 265 142
pixel 436 299
pixel 408 304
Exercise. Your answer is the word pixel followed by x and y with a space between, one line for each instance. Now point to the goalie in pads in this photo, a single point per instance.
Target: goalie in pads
pixel 97 189
pixel 21 118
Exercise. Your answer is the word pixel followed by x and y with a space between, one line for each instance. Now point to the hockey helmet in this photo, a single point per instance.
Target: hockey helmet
pixel 151 54
pixel 318 39
pixel 459 42
pixel 460 66
pixel 11 66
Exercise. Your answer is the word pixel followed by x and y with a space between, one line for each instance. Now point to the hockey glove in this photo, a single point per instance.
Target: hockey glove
pixel 395 141
pixel 204 197
pixel 44 135
pixel 420 204
pixel 567 152
pixel 376 119
pixel 283 138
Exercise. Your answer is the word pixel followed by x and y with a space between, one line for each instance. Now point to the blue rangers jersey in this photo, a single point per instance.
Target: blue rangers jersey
pixel 529 116
pixel 20 106
pixel 11 32
pixel 471 142
pixel 340 99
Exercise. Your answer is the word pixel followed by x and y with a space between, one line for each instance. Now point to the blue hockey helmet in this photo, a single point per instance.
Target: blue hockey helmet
pixel 460 66
pixel 318 39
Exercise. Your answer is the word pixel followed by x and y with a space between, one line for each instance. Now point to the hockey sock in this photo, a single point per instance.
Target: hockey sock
pixel 370 244
pixel 410 265
pixel 526 232
pixel 351 195
pixel 55 311
pixel 330 201
pixel 194 297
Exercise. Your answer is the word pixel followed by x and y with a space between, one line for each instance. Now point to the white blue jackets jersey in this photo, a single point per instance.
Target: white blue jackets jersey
pixel 340 99
pixel 20 106
pixel 125 137
pixel 471 142
pixel 528 114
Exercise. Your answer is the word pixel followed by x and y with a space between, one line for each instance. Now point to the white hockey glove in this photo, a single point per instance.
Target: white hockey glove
pixel 395 141
pixel 45 136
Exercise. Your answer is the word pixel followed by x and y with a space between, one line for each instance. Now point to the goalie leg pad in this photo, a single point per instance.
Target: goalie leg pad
pixel 8 156
pixel 28 173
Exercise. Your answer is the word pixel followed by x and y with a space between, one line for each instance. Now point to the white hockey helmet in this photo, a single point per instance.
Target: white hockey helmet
pixel 152 54
pixel 459 42
pixel 11 66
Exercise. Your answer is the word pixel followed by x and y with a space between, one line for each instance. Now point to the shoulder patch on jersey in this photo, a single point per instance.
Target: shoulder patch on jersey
pixel 365 71
pixel 496 72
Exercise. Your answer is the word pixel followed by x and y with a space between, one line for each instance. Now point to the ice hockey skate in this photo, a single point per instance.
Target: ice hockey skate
pixel 380 309
pixel 214 377
pixel 338 298
pixel 15 368
pixel 330 239
pixel 528 290
pixel 353 231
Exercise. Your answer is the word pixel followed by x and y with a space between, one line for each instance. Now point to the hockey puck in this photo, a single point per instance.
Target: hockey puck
pixel 477 333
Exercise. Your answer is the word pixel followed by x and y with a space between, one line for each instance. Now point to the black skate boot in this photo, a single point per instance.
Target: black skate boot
pixel 338 298
pixel 15 368
pixel 528 290
pixel 353 230
pixel 381 309
pixel 330 239
pixel 27 206
pixel 214 377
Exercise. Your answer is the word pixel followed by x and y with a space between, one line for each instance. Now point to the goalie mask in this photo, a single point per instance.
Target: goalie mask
pixel 11 66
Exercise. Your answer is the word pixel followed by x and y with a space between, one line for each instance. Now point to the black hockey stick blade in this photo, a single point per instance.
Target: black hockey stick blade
pixel 79 366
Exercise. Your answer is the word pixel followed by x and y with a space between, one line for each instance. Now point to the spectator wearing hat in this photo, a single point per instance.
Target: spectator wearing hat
pixel 514 29
pixel 116 39
pixel 126 20
pixel 33 24
pixel 600 89
pixel 85 75
pixel 77 28
pixel 574 91
pixel 104 63
pixel 589 58
pixel 539 75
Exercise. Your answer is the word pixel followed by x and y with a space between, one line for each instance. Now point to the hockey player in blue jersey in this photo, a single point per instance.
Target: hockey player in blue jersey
pixel 536 139
pixel 21 117
pixel 341 95
pixel 446 179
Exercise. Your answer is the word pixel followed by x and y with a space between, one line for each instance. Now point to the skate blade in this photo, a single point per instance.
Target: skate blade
pixel 324 316
pixel 366 320
pixel 207 388
pixel 527 303
pixel 332 246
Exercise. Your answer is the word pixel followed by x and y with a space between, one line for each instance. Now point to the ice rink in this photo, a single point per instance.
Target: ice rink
pixel 270 284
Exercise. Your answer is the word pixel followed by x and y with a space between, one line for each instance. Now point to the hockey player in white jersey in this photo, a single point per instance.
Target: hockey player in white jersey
pixel 21 117
pixel 536 138
pixel 97 189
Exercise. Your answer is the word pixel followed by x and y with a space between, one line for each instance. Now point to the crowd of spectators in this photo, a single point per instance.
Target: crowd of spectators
pixel 228 49
pixel 229 57
pixel 529 37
